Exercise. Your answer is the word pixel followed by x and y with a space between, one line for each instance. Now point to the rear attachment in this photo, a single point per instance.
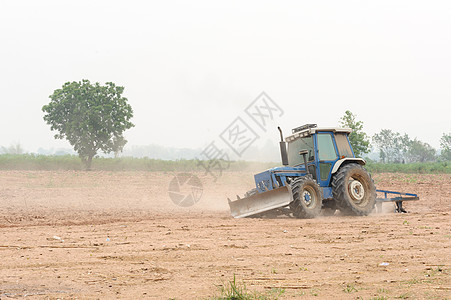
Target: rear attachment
pixel 261 202
pixel 398 200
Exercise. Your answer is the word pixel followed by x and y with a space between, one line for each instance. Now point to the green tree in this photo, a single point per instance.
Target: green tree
pixel 392 146
pixel 91 117
pixel 404 144
pixel 12 149
pixel 445 145
pixel 397 148
pixel 358 139
pixel 420 152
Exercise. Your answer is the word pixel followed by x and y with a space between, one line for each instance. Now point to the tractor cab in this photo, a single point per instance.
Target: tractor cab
pixel 326 148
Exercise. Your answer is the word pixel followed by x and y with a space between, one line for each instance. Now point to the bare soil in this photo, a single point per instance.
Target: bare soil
pixel 119 235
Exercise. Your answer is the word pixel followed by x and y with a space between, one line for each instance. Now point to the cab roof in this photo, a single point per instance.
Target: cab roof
pixel 309 131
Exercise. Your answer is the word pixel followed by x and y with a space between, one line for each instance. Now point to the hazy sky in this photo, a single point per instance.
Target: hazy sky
pixel 189 68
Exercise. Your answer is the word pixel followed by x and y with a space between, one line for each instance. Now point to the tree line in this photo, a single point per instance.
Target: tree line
pixel 394 147
pixel 93 118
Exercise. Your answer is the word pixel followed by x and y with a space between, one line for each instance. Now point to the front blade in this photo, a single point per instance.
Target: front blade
pixel 261 202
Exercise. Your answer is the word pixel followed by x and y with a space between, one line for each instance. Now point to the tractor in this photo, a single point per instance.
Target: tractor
pixel 320 173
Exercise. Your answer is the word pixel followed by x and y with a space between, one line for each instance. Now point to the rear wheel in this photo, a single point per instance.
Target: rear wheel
pixel 307 198
pixel 353 190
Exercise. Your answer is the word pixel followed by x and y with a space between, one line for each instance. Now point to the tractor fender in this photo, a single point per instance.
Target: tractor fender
pixel 339 162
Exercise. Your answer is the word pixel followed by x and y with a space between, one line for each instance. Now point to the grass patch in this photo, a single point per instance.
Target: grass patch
pixel 349 288
pixel 403 296
pixel 234 290
pixel 436 271
pixel 413 281
pixel 314 292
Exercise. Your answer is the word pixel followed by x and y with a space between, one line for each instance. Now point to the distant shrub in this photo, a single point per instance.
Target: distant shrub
pixel 416 168
pixel 73 162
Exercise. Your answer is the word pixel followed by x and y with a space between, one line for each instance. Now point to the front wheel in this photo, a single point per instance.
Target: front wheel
pixel 353 190
pixel 307 198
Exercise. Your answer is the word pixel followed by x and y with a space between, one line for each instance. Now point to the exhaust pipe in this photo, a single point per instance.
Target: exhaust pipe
pixel 283 149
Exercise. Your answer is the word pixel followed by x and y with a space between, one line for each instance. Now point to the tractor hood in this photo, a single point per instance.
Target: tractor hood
pixel 287 169
pixel 266 180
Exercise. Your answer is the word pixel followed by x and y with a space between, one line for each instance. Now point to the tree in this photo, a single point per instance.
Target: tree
pixel 420 152
pixel 358 139
pixel 404 143
pixel 397 148
pixel 445 145
pixel 392 145
pixel 12 149
pixel 91 117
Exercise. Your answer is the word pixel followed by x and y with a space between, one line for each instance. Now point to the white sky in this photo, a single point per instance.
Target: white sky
pixel 190 67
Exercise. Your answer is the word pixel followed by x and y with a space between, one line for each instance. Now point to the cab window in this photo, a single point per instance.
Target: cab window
pixel 294 147
pixel 326 147
pixel 343 145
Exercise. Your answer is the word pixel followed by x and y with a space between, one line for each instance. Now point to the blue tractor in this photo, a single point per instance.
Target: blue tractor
pixel 320 173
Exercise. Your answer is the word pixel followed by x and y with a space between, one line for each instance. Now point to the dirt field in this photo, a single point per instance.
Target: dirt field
pixel 118 235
